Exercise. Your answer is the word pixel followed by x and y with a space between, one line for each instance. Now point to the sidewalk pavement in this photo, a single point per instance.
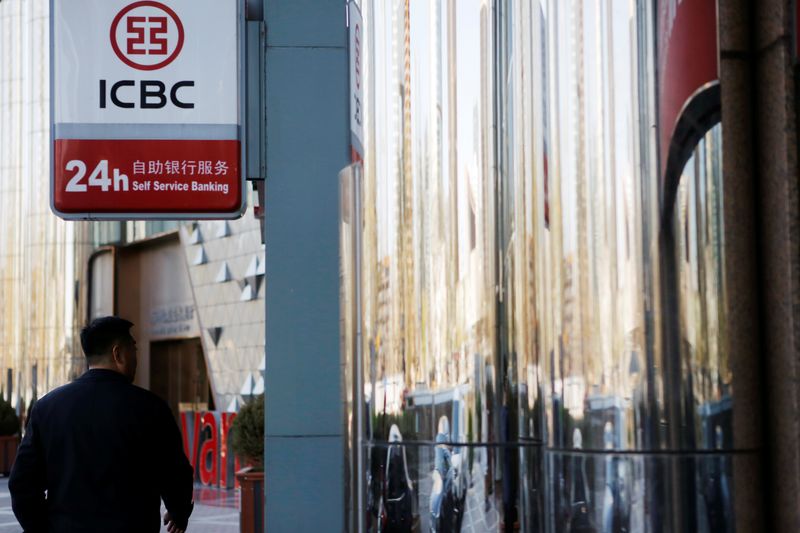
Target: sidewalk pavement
pixel 215 511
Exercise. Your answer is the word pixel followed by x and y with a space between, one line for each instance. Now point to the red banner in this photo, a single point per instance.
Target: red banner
pixel 147 176
pixel 205 442
pixel 687 57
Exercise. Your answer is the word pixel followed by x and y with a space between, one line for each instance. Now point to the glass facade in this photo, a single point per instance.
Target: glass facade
pixel 532 337
pixel 55 274
pixel 42 259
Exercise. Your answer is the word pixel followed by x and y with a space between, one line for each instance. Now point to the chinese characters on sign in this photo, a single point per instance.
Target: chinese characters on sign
pixel 126 180
pixel 172 320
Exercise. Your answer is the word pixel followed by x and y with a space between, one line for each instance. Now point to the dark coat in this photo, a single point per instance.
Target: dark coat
pixel 106 452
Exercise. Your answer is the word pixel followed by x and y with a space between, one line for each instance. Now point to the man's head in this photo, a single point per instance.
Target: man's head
pixel 108 343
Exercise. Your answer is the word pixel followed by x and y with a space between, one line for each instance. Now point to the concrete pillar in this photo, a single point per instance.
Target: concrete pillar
pixel 741 263
pixel 307 145
pixel 778 226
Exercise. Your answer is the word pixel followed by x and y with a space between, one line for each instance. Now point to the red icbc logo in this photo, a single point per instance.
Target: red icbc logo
pixel 147 35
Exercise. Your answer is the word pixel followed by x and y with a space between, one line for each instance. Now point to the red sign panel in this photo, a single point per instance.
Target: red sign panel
pixel 687 57
pixel 205 443
pixel 146 176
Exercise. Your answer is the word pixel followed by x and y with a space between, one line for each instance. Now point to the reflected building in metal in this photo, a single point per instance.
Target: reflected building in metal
pixel 42 259
pixel 533 311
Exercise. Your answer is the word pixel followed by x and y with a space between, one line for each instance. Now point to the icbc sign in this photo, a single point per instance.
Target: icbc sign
pixel 146 114
pixel 147 35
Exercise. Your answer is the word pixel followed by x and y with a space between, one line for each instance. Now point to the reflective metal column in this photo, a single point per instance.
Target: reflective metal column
pixel 543 329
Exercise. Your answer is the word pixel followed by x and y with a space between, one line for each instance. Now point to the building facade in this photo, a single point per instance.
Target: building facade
pixel 551 287
pixel 194 290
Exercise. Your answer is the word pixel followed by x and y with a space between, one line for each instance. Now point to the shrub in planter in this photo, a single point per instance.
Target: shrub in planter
pixel 247 432
pixel 247 441
pixel 9 436
pixel 9 421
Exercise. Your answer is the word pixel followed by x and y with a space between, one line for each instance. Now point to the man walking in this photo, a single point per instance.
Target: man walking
pixel 100 453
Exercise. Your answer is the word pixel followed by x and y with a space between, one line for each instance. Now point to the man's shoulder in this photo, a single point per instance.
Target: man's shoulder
pixel 147 396
pixel 58 394
pixel 58 400
pixel 133 392
pixel 154 403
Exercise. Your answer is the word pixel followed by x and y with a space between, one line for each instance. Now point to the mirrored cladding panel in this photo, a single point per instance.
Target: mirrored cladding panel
pixel 429 282
pixel 533 315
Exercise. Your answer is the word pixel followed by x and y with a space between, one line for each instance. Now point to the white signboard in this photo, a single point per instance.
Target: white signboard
pixel 146 115
pixel 356 83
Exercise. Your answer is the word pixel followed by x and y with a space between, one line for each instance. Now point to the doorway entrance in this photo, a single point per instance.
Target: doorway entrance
pixel 178 374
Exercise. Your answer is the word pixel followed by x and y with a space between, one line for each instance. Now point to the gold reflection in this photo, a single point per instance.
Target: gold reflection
pixel 429 218
pixel 587 216
pixel 511 254
pixel 520 240
pixel 42 258
pixel 701 292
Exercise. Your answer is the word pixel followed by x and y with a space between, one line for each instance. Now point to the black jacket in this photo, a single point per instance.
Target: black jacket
pixel 106 452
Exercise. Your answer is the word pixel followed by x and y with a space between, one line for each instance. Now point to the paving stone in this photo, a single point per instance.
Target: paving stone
pixel 215 511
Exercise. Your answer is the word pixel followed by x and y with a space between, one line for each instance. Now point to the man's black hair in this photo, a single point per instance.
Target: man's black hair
pixel 98 337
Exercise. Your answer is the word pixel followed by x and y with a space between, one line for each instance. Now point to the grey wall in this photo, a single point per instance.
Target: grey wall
pixel 307 145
